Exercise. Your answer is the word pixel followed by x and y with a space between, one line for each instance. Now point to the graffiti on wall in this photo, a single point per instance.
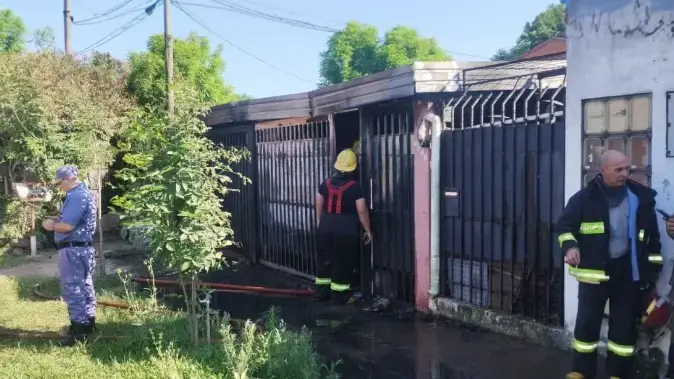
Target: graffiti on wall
pixel 625 18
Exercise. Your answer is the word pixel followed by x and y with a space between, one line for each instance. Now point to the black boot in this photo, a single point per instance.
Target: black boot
pixel 92 323
pixel 77 333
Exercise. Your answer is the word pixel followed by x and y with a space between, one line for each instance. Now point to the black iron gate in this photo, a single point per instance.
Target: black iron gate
pixel 387 176
pixel 291 162
pixel 503 185
pixel 242 204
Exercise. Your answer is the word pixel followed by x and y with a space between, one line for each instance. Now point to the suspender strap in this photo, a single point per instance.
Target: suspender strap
pixel 336 195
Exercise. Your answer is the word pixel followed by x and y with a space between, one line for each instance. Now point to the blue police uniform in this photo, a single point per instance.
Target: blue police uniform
pixel 77 257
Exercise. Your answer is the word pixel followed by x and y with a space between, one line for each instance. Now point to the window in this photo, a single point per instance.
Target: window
pixel 620 123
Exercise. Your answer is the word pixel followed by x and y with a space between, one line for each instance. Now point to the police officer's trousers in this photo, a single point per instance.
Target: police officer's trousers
pixel 337 258
pixel 624 297
pixel 76 275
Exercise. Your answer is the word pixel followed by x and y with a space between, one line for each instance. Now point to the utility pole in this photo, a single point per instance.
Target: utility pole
pixel 66 25
pixel 168 55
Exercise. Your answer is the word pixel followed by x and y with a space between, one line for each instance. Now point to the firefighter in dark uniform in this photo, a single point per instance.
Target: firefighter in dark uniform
pixel 340 208
pixel 610 238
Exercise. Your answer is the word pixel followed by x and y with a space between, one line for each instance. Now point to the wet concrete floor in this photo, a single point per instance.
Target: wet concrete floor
pixel 381 347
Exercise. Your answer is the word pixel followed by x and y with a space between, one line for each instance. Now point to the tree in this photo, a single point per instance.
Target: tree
pixel 546 25
pixel 12 32
pixel 357 51
pixel 171 191
pixel 193 63
pixel 54 110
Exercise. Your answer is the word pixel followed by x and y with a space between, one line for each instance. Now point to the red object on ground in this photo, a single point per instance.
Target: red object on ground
pixel 230 287
pixel 658 313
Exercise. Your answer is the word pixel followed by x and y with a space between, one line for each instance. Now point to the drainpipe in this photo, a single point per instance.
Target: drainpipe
pixel 436 131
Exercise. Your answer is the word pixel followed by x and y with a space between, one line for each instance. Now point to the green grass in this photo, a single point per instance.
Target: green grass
pixel 151 345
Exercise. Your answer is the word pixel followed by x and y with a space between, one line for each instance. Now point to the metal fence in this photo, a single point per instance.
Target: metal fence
pixel 388 177
pixel 241 204
pixel 291 162
pixel 503 185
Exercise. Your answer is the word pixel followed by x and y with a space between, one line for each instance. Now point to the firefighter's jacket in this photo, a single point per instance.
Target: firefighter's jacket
pixel 585 225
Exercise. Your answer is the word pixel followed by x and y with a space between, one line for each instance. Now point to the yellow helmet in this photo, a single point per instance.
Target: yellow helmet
pixel 346 161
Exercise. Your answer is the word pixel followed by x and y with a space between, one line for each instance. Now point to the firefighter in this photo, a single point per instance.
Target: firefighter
pixel 340 207
pixel 610 238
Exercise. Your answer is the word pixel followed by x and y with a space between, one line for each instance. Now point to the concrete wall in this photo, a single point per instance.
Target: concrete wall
pixel 422 212
pixel 618 47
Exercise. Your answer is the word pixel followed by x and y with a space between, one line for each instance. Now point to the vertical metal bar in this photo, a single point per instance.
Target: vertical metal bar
pixel 305 197
pixel 311 150
pixel 294 192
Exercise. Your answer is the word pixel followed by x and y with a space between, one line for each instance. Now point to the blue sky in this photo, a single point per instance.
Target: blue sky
pixel 477 28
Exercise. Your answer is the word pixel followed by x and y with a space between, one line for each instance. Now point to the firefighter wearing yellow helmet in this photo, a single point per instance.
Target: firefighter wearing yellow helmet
pixel 341 210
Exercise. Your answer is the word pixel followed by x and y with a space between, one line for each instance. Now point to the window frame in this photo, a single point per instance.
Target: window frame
pixel 626 135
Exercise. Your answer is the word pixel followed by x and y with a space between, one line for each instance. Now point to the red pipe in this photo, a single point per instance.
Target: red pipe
pixel 222 287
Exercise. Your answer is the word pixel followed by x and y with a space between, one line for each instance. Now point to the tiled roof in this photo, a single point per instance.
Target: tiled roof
pixel 554 45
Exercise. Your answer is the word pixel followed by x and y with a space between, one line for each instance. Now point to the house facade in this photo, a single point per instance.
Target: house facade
pixel 620 95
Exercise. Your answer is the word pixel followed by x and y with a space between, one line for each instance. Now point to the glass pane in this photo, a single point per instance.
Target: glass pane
pixel 616 143
pixel 593 149
pixel 617 109
pixel 641 113
pixel 640 152
pixel 594 120
pixel 641 177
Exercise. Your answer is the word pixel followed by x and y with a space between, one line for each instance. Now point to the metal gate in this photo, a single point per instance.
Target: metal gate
pixel 503 185
pixel 241 204
pixel 387 176
pixel 291 162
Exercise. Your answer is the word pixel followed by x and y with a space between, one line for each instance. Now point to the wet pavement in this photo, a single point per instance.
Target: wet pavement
pixel 379 346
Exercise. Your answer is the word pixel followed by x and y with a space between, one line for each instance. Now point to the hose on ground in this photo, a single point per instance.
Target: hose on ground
pixel 9 333
pixel 231 288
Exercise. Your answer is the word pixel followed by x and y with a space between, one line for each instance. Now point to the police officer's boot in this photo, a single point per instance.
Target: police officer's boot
pixel 77 333
pixel 92 323
pixel 574 375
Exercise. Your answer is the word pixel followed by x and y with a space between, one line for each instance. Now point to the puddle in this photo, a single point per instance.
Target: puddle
pixel 379 347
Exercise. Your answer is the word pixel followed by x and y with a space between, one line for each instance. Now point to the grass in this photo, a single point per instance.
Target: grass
pixel 152 345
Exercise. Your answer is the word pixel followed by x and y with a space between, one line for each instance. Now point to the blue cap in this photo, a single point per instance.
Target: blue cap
pixel 65 172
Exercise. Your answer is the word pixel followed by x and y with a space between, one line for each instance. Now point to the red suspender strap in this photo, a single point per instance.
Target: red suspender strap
pixel 337 193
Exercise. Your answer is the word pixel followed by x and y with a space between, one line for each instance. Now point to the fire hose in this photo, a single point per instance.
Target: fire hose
pixel 217 287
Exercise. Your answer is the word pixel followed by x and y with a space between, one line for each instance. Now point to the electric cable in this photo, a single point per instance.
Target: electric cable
pixel 203 24
pixel 106 12
pixel 97 20
pixel 119 31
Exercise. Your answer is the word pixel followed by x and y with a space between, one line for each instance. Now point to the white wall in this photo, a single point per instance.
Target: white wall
pixel 619 47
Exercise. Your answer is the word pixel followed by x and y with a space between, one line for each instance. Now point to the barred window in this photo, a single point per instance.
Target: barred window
pixel 619 123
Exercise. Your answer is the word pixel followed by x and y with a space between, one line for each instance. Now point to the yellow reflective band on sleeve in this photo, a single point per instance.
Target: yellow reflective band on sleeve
pixel 585 347
pixel 564 237
pixel 650 308
pixel 588 275
pixel 592 228
pixel 642 233
pixel 322 281
pixel 339 287
pixel 655 258
pixel 620 350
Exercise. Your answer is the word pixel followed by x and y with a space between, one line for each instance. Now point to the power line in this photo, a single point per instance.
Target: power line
pixel 100 19
pixel 257 14
pixel 201 23
pixel 229 6
pixel 289 11
pixel 109 11
pixel 119 31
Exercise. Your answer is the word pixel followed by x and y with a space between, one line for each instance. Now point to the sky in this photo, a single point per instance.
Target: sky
pixel 469 30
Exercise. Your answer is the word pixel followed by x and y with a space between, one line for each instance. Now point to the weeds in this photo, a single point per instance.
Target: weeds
pixel 153 342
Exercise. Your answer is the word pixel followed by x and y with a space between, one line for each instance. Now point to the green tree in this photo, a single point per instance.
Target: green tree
pixel 546 25
pixel 53 110
pixel 357 51
pixel 194 64
pixel 12 32
pixel 172 188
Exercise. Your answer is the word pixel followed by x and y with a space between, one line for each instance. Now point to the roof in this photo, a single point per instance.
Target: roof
pixel 397 83
pixel 555 45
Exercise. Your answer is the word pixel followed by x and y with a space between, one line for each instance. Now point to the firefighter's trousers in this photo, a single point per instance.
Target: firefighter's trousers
pixel 624 297
pixel 336 260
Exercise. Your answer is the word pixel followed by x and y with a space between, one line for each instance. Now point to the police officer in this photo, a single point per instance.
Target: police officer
pixel 340 206
pixel 610 236
pixel 73 232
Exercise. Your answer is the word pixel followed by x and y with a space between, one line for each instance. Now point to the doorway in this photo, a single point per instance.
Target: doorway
pixel 347 133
